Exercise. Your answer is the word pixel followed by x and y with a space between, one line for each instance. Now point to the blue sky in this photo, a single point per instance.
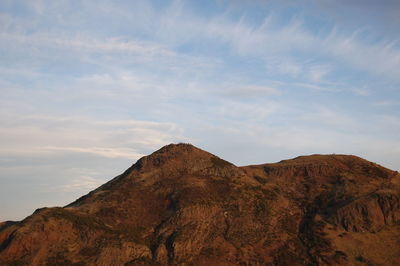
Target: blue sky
pixel 88 87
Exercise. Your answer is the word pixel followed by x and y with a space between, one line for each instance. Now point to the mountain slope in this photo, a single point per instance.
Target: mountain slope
pixel 182 205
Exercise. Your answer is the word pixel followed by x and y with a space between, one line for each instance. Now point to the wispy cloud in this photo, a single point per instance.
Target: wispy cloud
pixel 81 183
pixel 57 135
pixel 108 50
pixel 386 103
pixel 99 151
pixel 337 121
pixel 88 44
pixel 248 91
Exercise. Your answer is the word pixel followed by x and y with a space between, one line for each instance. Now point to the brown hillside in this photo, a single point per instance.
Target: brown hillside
pixel 184 206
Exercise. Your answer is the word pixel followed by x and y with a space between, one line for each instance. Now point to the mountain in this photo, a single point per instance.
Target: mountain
pixel 184 206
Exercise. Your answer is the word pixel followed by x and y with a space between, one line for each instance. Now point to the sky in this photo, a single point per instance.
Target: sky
pixel 88 87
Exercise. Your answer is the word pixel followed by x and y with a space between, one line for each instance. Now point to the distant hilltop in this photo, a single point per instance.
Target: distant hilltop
pixel 184 206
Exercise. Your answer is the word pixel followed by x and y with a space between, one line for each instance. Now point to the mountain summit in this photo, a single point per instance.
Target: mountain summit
pixel 184 206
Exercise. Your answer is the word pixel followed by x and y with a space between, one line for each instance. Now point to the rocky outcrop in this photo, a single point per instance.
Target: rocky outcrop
pixel 369 213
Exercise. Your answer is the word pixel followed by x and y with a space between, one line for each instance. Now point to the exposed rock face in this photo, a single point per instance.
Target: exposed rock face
pixel 184 206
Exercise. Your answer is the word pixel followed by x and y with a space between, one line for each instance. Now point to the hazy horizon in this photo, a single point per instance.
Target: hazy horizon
pixel 88 87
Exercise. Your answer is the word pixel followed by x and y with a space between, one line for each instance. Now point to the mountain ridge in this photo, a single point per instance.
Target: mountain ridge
pixel 182 205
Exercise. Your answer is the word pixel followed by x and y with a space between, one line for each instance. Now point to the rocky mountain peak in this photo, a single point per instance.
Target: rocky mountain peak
pixel 184 206
pixel 183 158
